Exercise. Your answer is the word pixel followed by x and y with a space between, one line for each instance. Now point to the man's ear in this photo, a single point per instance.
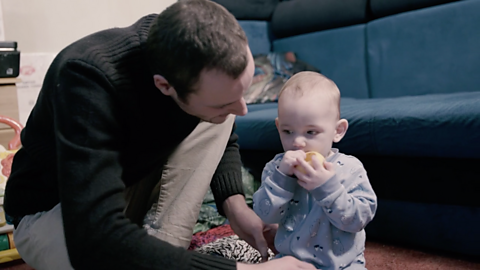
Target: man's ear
pixel 341 129
pixel 162 84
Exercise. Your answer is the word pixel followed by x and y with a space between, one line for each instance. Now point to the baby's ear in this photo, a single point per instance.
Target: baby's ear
pixel 341 129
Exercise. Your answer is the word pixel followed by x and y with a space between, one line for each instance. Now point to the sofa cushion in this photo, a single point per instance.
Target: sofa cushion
pixel 259 107
pixel 382 8
pixel 256 130
pixel 258 34
pixel 339 54
pixel 442 125
pixel 250 9
pixel 306 16
pixel 431 50
pixel 271 73
pixel 437 125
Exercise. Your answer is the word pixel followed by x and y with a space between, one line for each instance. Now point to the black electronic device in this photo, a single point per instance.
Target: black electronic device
pixel 9 59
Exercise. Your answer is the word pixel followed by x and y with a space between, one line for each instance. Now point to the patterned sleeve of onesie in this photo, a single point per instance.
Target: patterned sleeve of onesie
pixel 347 198
pixel 275 192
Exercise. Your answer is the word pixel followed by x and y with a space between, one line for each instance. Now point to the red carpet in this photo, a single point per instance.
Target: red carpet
pixel 380 256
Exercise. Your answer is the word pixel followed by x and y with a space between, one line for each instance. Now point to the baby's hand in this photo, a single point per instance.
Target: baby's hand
pixel 314 175
pixel 290 160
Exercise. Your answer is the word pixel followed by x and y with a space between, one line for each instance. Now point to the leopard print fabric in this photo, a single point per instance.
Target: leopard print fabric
pixel 232 247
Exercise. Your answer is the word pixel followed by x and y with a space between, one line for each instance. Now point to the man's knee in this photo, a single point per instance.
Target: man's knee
pixel 40 240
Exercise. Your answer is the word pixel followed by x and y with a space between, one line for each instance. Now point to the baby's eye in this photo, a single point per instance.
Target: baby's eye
pixel 312 132
pixel 287 131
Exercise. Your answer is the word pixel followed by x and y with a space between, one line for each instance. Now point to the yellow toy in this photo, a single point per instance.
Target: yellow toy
pixel 9 255
pixel 308 159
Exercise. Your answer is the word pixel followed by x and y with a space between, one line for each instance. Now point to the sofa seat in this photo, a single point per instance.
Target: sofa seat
pixel 435 125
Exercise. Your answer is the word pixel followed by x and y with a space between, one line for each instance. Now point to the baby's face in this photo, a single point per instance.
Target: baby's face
pixel 307 123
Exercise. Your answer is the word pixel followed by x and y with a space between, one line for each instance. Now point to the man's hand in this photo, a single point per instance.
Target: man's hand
pixel 284 263
pixel 269 232
pixel 315 175
pixel 248 226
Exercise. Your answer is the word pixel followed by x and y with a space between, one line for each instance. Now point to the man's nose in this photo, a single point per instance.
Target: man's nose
pixel 239 108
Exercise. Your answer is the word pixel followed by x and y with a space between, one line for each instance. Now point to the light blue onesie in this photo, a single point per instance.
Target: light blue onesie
pixel 325 226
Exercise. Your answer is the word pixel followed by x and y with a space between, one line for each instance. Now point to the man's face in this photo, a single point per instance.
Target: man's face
pixel 217 95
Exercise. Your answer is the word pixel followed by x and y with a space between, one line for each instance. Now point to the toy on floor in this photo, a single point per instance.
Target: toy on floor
pixel 308 159
pixel 8 251
pixel 6 155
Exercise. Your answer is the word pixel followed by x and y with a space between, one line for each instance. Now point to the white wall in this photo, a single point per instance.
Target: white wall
pixel 50 25
pixel 44 27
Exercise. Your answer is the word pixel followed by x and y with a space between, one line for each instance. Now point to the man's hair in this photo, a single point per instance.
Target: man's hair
pixel 192 36
pixel 312 82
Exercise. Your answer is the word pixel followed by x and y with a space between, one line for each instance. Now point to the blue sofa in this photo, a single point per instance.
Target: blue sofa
pixel 410 84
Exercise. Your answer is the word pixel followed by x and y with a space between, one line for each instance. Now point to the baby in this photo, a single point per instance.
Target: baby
pixel 322 210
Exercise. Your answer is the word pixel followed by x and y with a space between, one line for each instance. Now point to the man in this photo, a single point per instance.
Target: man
pixel 105 145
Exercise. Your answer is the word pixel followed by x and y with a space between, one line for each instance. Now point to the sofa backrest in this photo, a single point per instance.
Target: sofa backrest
pixel 383 8
pixel 291 18
pixel 425 51
pixel 338 53
pixel 259 36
